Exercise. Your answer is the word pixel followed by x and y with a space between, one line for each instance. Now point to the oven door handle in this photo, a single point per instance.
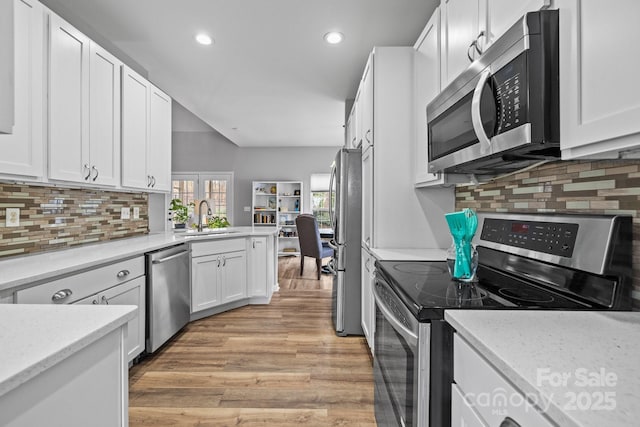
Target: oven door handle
pixel 476 113
pixel 412 339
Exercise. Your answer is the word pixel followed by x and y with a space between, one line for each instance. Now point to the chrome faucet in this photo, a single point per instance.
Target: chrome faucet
pixel 200 213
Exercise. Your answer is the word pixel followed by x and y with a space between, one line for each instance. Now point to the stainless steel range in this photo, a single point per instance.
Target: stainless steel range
pixel 535 262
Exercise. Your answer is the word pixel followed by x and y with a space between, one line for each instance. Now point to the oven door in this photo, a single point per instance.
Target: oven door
pixel 396 360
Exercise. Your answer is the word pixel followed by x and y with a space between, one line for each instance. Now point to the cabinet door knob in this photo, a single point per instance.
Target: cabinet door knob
pixel 105 300
pixel 61 295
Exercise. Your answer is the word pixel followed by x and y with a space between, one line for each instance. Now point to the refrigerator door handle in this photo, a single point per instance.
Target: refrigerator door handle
pixel 332 216
pixel 332 244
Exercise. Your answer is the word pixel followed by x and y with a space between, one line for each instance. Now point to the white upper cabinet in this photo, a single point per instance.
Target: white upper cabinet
pixel 365 106
pixel 146 134
pixel 23 149
pixel 159 146
pixel 7 67
pixel 469 27
pixel 600 98
pixel 497 16
pixel 427 86
pixel 84 108
pixel 460 28
pixel 68 102
pixel 104 116
pixel 135 129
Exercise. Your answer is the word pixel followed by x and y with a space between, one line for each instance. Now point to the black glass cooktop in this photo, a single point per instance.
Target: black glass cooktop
pixel 427 289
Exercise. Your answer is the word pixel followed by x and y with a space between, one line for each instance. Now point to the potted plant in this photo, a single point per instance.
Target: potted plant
pixel 218 222
pixel 179 213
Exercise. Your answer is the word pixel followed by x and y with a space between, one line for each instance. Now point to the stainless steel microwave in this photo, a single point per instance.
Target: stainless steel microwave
pixel 502 113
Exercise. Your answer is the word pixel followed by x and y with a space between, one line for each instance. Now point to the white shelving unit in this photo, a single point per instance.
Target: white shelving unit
pixel 277 204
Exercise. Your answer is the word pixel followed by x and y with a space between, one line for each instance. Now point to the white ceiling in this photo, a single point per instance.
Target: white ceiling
pixel 269 79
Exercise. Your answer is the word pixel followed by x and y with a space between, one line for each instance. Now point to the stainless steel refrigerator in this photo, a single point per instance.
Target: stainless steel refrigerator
pixel 345 210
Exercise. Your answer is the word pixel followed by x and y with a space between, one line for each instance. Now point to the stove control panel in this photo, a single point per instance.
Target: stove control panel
pixel 549 237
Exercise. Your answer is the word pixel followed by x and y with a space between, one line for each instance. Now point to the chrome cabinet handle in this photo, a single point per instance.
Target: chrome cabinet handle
pixel 254 244
pixel 97 173
pixel 476 117
pixel 218 262
pixel 86 168
pixel 95 302
pixel 367 137
pixel 224 261
pixel 474 44
pixel 122 273
pixel 153 181
pixel 61 295
pixel 105 300
pixel 366 264
pixel 148 180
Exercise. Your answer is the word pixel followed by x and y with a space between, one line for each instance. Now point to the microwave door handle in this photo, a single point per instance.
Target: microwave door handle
pixel 476 114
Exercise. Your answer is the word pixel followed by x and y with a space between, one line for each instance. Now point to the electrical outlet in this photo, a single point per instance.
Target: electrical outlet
pixel 247 208
pixel 13 217
pixel 136 213
pixel 125 213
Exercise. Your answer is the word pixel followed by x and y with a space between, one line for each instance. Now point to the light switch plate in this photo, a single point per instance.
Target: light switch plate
pixel 125 213
pixel 247 208
pixel 136 213
pixel 13 217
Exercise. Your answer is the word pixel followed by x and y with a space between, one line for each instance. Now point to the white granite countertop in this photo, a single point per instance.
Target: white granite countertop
pixel 20 272
pixel 33 338
pixel 530 347
pixel 409 254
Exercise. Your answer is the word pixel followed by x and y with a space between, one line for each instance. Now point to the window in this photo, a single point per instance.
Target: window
pixel 216 189
pixel 320 198
pixel 320 208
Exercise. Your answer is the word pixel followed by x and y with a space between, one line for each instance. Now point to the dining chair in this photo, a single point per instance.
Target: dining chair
pixel 310 243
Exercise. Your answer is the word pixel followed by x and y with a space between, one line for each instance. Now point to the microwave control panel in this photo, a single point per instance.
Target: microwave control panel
pixel 511 95
pixel 553 238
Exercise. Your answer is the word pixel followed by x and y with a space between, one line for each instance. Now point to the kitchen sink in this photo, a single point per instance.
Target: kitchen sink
pixel 208 232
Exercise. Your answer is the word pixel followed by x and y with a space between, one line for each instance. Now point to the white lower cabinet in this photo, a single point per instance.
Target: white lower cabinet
pixel 120 283
pixel 261 268
pixel 482 397
pixel 233 274
pixel 218 273
pixel 90 384
pixel 368 307
pixel 130 293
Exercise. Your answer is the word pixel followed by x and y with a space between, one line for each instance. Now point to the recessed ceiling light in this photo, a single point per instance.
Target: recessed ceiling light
pixel 204 39
pixel 333 37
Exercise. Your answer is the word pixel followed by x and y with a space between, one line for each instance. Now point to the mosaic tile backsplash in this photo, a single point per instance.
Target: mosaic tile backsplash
pixel 57 218
pixel 596 187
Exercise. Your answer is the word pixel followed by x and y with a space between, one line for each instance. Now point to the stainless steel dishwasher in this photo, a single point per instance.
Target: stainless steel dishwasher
pixel 168 294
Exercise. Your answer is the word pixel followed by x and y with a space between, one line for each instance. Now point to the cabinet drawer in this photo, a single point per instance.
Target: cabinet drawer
pixel 491 395
pixel 82 285
pixel 462 413
pixel 218 246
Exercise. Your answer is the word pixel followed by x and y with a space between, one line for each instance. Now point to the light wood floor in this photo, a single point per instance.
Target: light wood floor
pixel 274 365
